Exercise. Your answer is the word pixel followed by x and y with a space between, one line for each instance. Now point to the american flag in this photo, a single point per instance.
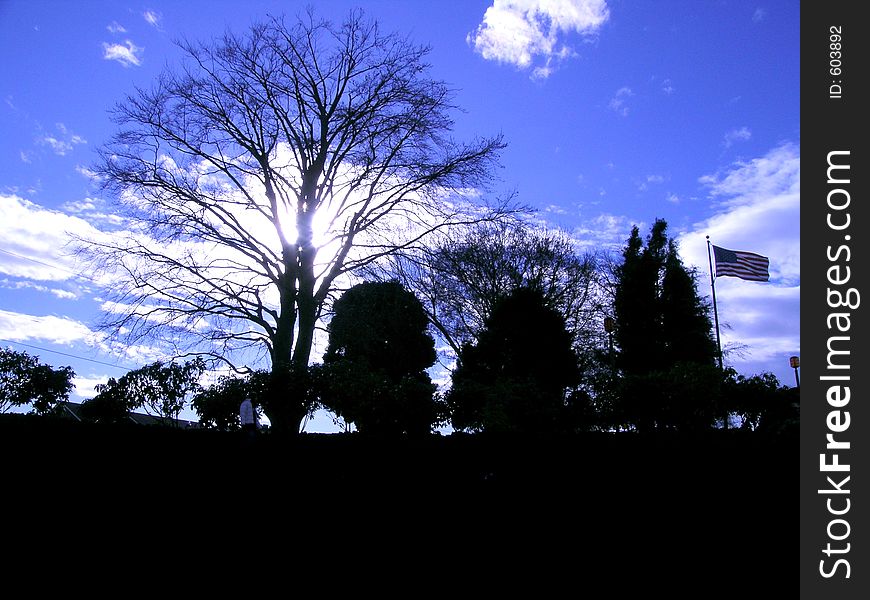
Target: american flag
pixel 745 265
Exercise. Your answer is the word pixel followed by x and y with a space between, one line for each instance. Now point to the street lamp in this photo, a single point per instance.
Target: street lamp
pixel 795 362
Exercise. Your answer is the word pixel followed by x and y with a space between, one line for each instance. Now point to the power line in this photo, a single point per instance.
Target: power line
pixel 99 362
pixel 45 264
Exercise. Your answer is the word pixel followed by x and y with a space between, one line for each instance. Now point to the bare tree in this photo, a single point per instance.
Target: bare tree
pixel 265 171
pixel 463 276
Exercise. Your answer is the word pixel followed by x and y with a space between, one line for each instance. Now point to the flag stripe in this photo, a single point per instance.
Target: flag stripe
pixel 745 265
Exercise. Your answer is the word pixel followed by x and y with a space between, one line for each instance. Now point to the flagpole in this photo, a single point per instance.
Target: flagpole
pixel 715 309
pixel 716 318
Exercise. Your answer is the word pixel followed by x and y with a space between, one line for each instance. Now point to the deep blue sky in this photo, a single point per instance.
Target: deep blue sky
pixel 615 113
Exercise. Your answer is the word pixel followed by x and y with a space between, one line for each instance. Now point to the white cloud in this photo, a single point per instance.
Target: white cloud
pixel 757 209
pixel 62 143
pixel 86 172
pixel 60 147
pixel 84 386
pixel 650 180
pixel 115 27
pixel 127 53
pixel 617 103
pixel 89 210
pixel 78 206
pixel 603 231
pixel 19 327
pixel 736 135
pixel 520 32
pixel 21 285
pixel 35 240
pixel 152 18
pixel 778 172
pixel 759 15
pixel 667 87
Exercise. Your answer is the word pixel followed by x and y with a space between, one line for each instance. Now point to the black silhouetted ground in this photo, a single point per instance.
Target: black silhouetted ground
pixel 722 507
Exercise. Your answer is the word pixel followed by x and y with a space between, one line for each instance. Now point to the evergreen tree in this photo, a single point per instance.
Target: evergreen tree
pixel 666 353
pixel 638 333
pixel 516 376
pixel 686 325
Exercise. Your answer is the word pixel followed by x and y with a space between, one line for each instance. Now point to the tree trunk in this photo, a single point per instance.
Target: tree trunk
pixel 279 408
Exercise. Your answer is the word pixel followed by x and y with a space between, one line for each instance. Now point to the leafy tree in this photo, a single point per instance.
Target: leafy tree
pixel 24 381
pixel 109 405
pixel 516 376
pixel 464 275
pixel 271 390
pixel 378 404
pixel 375 363
pixel 686 396
pixel 760 402
pixel 161 388
pixel 218 405
pixel 265 171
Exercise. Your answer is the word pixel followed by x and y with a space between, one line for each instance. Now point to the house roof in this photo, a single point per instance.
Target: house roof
pixel 73 410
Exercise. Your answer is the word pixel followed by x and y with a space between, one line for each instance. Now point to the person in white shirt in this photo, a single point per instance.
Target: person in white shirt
pixel 248 418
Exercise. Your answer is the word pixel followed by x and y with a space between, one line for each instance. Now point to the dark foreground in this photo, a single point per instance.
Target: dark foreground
pixel 720 507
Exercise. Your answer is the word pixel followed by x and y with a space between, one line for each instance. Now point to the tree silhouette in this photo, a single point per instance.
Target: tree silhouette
pixel 218 404
pixel 262 173
pixel 516 376
pixel 663 332
pixel 375 364
pixel 463 276
pixel 636 307
pixel 686 324
pixel 163 389
pixel 23 380
pixel 760 402
pixel 110 405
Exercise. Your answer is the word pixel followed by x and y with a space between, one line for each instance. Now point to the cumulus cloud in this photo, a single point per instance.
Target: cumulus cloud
pixel 35 240
pixel 19 327
pixel 749 182
pixel 128 53
pixel 756 207
pixel 84 386
pixel 532 34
